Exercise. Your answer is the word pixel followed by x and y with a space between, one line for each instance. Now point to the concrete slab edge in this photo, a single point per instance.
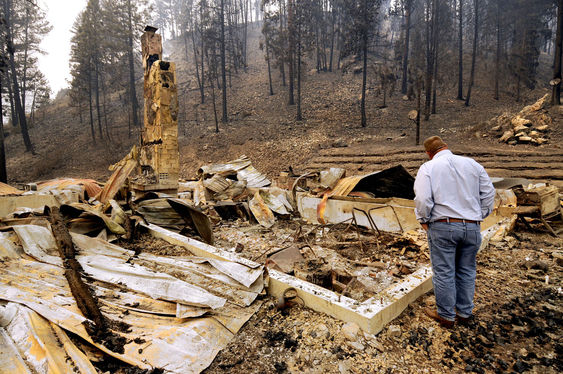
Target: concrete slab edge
pixel 371 315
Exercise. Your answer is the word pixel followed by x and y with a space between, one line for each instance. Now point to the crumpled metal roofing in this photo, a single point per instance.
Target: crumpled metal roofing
pixel 90 186
pixel 242 167
pixel 179 336
pixel 6 189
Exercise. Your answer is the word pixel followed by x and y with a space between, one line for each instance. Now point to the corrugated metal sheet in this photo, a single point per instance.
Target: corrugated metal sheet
pixel 178 345
pixel 90 186
pixel 122 170
pixel 243 169
pixel 6 189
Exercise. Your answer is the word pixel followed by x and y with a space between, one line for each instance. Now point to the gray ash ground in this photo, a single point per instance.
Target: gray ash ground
pixel 517 326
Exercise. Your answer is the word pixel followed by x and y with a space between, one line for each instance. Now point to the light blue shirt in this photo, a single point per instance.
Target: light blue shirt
pixel 451 186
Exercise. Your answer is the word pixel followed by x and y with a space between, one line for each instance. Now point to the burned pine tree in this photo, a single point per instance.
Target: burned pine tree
pixel 556 94
pixel 8 9
pixel 362 16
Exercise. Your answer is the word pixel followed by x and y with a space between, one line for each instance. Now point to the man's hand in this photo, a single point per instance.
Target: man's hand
pixel 424 226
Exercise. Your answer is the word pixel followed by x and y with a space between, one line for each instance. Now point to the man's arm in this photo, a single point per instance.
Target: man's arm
pixel 424 201
pixel 486 193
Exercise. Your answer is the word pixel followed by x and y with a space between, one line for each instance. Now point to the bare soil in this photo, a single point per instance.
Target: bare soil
pixel 264 128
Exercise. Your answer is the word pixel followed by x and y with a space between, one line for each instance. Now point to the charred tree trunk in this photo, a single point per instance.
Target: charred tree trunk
pixel 16 90
pixel 91 109
pixel 556 94
pixel 282 62
pixel 196 63
pixel 202 49
pixel 97 97
pixel 430 20
pixel 291 51
pixel 497 57
pixel 460 56
pixel 132 90
pixel 3 172
pixel 332 38
pixel 11 98
pixel 224 118
pixel 269 68
pixel 365 65
pixel 418 108
pixel 299 114
pixel 404 84
pixel 473 57
pixel 25 45
pixel 435 37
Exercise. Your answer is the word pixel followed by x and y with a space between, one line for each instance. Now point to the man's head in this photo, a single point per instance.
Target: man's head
pixel 433 145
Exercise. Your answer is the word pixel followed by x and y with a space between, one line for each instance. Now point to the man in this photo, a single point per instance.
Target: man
pixel 453 195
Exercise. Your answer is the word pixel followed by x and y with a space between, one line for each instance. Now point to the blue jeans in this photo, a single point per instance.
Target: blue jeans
pixel 453 251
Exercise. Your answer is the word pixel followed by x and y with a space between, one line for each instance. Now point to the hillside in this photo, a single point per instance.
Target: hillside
pixel 264 128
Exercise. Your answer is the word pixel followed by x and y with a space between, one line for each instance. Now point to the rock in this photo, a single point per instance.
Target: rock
pixel 356 345
pixel 536 264
pixel 320 331
pixel 394 330
pixel 541 140
pixel 534 133
pixel 558 256
pixel 496 128
pixel 521 134
pixel 506 136
pixel 377 345
pixel 429 301
pixel 524 139
pixel 520 128
pixel 339 143
pixel 534 107
pixel 350 331
pixel 405 98
pixel 542 128
pixel 343 367
pixel 519 121
pixel 512 142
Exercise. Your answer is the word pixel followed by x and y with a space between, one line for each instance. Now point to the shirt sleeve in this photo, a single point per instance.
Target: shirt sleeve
pixel 486 193
pixel 424 201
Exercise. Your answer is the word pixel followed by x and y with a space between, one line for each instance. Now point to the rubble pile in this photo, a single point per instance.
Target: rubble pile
pixel 529 126
pixel 326 239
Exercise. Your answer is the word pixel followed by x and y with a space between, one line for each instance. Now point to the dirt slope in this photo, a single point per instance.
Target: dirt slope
pixel 264 128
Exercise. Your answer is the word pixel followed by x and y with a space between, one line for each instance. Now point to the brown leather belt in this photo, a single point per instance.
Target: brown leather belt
pixel 456 220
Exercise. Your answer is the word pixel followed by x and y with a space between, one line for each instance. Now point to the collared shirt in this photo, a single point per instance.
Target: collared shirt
pixel 451 186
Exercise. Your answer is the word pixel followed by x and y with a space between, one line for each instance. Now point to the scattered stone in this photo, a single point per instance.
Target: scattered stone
pixel 520 122
pixel 320 331
pixel 507 135
pixel 339 143
pixel 520 128
pixel 394 330
pixel 344 367
pixel 524 139
pixel 377 345
pixel 356 345
pixel 350 331
pixel 542 128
